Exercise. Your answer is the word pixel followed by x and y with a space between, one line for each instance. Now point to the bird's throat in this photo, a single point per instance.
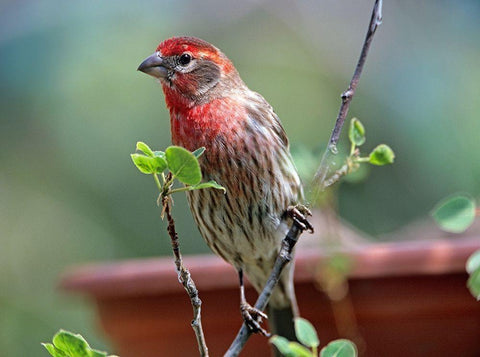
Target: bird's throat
pixel 195 126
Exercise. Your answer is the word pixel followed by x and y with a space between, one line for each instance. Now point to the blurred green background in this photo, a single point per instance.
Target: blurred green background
pixel 72 107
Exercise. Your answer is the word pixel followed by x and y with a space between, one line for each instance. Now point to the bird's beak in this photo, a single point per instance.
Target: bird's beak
pixel 154 66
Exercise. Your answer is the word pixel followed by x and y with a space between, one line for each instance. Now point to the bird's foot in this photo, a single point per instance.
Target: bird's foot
pixel 253 318
pixel 299 214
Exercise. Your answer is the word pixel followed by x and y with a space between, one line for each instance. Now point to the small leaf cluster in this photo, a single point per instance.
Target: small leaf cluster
pixel 309 343
pixel 380 155
pixel 175 163
pixel 454 215
pixel 68 344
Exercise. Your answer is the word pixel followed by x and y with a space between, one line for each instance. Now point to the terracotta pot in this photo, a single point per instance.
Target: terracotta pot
pixel 405 299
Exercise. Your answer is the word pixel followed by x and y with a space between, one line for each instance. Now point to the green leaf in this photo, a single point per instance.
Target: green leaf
pixel 159 164
pixel 143 163
pixel 160 154
pixel 141 146
pixel 473 263
pixel 183 165
pixel 299 350
pixel 473 284
pixel 55 352
pixel 197 153
pixel 97 353
pixel 381 155
pixel 306 333
pixel 74 345
pixel 209 184
pixel 356 132
pixel 68 344
pixel 455 214
pixel 339 348
pixel 149 165
pixel 282 345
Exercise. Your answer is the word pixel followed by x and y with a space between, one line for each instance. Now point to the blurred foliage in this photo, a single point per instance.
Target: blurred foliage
pixel 72 104
pixel 473 269
pixel 455 214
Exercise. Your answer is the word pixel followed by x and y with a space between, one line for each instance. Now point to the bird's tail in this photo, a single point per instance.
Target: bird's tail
pixel 283 308
pixel 280 321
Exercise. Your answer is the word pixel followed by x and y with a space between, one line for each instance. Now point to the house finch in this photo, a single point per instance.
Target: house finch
pixel 247 152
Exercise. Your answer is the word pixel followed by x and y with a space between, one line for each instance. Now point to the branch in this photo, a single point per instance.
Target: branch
pixel 283 258
pixel 291 238
pixel 182 162
pixel 185 278
pixel 347 96
pixel 337 175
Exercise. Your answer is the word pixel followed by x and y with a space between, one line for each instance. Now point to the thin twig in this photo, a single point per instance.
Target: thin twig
pixel 185 278
pixel 283 258
pixel 347 96
pixel 337 175
pixel 292 236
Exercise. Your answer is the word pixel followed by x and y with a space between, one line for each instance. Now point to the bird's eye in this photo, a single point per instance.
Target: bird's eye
pixel 185 59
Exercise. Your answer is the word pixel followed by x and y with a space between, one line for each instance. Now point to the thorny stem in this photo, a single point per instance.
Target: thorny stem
pixel 347 96
pixel 292 236
pixel 183 274
pixel 283 258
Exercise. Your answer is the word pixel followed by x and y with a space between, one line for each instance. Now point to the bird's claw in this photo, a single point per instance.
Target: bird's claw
pixel 299 214
pixel 253 318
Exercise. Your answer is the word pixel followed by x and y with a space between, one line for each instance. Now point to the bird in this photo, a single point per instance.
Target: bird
pixel 247 152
